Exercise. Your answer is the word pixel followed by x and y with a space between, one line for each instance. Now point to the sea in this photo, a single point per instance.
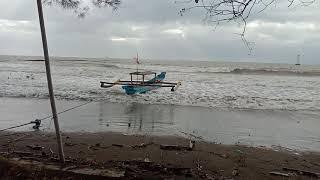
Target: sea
pixel 257 104
pixel 207 84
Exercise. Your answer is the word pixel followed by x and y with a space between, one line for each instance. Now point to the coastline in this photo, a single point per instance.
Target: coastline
pixel 129 137
pixel 291 129
pixel 203 161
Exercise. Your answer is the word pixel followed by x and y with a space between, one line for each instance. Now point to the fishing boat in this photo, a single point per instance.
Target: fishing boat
pixel 142 86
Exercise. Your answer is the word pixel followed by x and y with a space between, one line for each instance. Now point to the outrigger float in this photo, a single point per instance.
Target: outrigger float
pixel 142 86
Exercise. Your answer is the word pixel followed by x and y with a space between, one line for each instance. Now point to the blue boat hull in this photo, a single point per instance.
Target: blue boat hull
pixel 131 89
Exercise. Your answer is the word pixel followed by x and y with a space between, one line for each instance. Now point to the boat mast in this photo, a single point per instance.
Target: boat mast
pixel 137 64
pixel 298 59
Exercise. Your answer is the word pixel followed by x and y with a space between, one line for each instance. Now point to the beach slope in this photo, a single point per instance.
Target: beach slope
pixel 113 155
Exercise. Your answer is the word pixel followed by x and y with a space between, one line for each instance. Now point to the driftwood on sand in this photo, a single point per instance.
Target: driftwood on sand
pixel 302 172
pixel 178 147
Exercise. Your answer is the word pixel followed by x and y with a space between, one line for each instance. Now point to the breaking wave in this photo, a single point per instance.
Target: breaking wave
pixel 214 85
pixel 273 72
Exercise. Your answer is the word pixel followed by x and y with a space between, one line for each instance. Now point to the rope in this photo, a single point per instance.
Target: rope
pixel 67 110
pixel 16 126
pixel 45 117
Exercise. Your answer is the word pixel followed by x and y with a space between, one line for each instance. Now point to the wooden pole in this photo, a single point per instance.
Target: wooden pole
pixel 51 95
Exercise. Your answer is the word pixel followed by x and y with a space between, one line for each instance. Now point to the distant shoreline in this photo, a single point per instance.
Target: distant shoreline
pixel 148 59
pixel 243 71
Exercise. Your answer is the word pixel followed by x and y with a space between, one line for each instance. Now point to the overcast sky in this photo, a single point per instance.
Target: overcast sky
pixel 155 29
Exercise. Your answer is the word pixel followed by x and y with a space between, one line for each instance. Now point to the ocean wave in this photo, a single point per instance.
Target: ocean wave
pixel 210 88
pixel 289 71
pixel 161 97
pixel 273 72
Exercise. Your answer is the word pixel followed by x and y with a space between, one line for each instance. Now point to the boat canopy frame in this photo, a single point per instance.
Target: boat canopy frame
pixel 143 74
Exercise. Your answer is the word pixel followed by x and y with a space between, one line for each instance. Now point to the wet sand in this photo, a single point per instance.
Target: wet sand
pixel 129 137
pixel 139 156
pixel 272 128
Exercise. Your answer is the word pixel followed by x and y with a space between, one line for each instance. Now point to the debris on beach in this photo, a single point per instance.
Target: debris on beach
pixel 118 145
pixel 302 172
pixel 69 144
pixel 97 146
pixel 136 157
pixel 275 173
pixel 175 148
pixel 22 153
pixel 91 169
pixel 146 160
pixel 178 147
pixel 235 172
pixel 142 145
pixel 35 147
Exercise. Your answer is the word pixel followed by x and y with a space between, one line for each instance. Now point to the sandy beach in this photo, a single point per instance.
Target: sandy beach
pixel 134 154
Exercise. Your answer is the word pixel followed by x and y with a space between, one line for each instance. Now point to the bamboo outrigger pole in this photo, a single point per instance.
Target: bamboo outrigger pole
pixel 51 95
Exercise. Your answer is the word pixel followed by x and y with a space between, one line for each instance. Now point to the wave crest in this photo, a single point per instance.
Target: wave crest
pixel 273 72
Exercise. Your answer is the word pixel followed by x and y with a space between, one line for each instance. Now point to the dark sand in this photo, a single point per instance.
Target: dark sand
pixel 98 150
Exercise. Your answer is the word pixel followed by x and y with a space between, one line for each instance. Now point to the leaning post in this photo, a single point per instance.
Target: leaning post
pixel 49 79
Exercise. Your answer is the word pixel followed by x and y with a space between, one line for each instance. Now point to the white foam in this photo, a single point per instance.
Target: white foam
pixel 200 85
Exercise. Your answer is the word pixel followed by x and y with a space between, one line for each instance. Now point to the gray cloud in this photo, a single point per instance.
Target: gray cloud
pixel 154 28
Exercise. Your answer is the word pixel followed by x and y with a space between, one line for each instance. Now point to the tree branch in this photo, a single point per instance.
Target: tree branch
pixel 78 6
pixel 225 11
